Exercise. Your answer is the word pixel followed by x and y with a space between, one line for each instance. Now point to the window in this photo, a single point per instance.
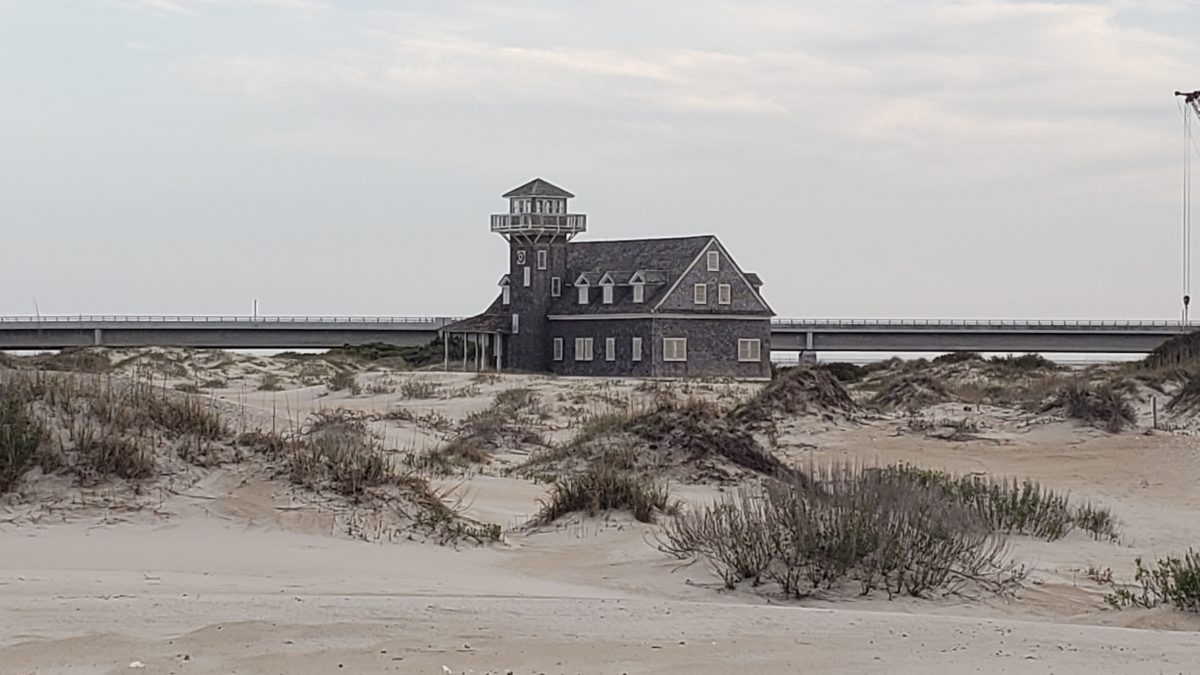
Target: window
pixel 674 349
pixel 714 261
pixel 639 292
pixel 555 286
pixel 607 292
pixel 525 271
pixel 541 259
pixel 506 297
pixel 700 294
pixel 610 349
pixel 750 350
pixel 723 294
pixel 558 349
pixel 583 349
pixel 521 257
pixel 583 295
pixel 637 349
pixel 516 327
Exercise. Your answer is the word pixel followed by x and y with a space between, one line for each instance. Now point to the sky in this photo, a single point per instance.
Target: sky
pixel 884 159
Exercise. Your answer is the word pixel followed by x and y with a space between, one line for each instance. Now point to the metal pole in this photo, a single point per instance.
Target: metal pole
pixel 445 351
pixel 464 345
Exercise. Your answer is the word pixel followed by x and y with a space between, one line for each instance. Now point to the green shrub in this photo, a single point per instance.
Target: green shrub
pixel 1024 364
pixel 1105 405
pixel 606 487
pixel 342 380
pixel 1173 581
pixel 419 388
pixel 20 438
pixel 270 382
pixel 844 372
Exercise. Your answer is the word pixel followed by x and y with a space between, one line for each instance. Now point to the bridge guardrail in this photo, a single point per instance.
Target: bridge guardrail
pixel 113 318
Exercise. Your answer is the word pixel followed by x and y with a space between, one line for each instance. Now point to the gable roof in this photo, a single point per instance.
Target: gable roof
pixel 537 188
pixel 494 319
pixel 662 260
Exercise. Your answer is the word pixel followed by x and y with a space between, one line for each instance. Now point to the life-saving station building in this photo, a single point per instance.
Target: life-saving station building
pixel 658 307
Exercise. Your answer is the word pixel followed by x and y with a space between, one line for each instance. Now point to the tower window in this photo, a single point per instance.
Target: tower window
pixel 639 292
pixel 521 257
pixel 607 294
pixel 583 295
pixel 674 349
pixel 637 349
pixel 555 286
pixel 526 273
pixel 516 324
pixel 558 349
pixel 723 294
pixel 505 295
pixel 700 294
pixel 714 261
pixel 610 349
pixel 541 259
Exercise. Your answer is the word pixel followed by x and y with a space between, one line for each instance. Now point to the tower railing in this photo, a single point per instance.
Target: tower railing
pixel 561 223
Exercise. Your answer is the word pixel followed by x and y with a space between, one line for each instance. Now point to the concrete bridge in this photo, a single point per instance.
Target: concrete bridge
pixel 805 335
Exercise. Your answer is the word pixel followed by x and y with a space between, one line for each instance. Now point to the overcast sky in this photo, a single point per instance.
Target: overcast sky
pixel 868 159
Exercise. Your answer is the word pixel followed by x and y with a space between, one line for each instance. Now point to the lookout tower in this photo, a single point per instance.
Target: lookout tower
pixel 537 213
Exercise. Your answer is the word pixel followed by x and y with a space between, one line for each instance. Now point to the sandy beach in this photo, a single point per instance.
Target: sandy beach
pixel 227 569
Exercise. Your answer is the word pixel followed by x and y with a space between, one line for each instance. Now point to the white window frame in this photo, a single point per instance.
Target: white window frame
pixel 749 350
pixel 674 349
pixel 610 349
pixel 555 286
pixel 639 292
pixel 700 294
pixel 505 295
pixel 516 324
pixel 724 294
pixel 583 295
pixel 558 349
pixel 542 257
pixel 637 349
pixel 607 294
pixel 714 261
pixel 527 276
pixel 584 349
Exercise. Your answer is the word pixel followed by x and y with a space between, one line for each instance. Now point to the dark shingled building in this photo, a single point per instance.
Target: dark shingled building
pixel 671 307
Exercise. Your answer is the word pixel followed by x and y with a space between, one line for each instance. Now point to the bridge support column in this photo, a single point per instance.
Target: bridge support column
pixel 97 337
pixel 808 341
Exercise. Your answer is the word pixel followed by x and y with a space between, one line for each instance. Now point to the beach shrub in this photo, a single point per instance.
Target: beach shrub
pixel 419 388
pixel 20 438
pixel 1105 405
pixel 606 486
pixel 842 525
pixel 270 382
pixel 343 380
pixel 844 372
pixel 1174 581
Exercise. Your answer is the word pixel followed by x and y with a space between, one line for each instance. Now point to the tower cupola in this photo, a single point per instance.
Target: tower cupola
pixel 537 213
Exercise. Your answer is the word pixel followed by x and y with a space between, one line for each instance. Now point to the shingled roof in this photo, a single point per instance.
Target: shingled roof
pixel 538 188
pixel 494 319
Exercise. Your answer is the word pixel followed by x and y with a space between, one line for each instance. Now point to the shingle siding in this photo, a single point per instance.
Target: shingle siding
pixel 624 330
pixel 743 298
pixel 712 347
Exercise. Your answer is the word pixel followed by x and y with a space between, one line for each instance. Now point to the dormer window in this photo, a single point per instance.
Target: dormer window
pixel 607 293
pixel 505 295
pixel 583 295
pixel 714 261
pixel 639 292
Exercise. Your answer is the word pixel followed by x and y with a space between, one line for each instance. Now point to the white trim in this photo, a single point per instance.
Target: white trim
pixel 675 356
pixel 581 280
pixel 555 287
pixel 700 294
pixel 584 347
pixel 605 280
pixel 724 294
pixel 543 256
pixel 558 349
pixel 504 281
pixel 742 275
pixel 651 315
pixel 637 349
pixel 527 274
pixel 714 260
pixel 610 349
pixel 516 324
pixel 505 295
pixel 686 271
pixel 520 256
pixel 606 294
pixel 639 293
pixel 753 350
pixel 583 295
